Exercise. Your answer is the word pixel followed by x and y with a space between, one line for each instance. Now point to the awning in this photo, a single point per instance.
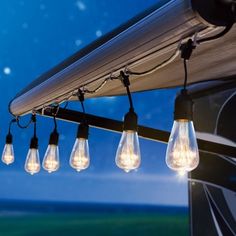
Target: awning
pixel 138 45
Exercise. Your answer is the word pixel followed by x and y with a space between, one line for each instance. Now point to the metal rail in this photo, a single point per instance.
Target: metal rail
pixel 144 132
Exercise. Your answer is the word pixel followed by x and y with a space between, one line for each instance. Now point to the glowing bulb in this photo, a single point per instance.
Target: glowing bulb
pixel 80 158
pixel 182 150
pixel 8 154
pixel 8 151
pixel 128 153
pixel 32 163
pixel 51 159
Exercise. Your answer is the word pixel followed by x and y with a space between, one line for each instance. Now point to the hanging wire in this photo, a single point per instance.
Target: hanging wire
pixel 56 110
pixel 188 47
pixel 23 126
pixel 217 36
pixel 100 86
pixel 34 121
pixel 157 67
pixel 55 122
pixel 129 72
pixel 126 83
pixel 10 125
pixel 177 52
pixel 185 74
pixel 66 100
pixel 82 105
pixel 81 99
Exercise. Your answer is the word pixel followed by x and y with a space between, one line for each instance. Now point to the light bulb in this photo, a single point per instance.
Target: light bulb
pixel 128 153
pixel 8 151
pixel 32 162
pixel 51 159
pixel 182 150
pixel 79 158
pixel 8 154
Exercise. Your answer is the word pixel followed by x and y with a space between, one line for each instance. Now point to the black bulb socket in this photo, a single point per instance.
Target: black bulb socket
pixel 83 131
pixel 183 106
pixel 9 139
pixel 131 121
pixel 34 143
pixel 54 138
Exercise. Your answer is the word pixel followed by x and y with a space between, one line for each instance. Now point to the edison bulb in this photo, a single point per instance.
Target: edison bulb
pixel 32 163
pixel 182 150
pixel 51 159
pixel 79 158
pixel 8 154
pixel 128 153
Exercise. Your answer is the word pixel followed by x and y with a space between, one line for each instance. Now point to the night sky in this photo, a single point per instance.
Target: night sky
pixel 37 35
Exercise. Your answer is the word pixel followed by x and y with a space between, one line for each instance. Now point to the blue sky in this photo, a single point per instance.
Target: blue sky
pixel 35 36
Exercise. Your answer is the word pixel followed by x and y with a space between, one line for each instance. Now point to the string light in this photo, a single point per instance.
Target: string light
pixel 182 151
pixel 51 161
pixel 128 155
pixel 8 156
pixel 32 162
pixel 80 157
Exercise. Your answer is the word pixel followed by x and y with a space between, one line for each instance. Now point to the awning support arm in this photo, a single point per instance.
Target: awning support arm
pixel 144 132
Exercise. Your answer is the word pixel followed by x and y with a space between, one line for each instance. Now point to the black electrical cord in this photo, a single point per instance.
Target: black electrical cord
pixel 34 139
pixel 34 122
pixel 188 47
pixel 100 86
pixel 126 83
pixel 23 126
pixel 130 99
pixel 55 122
pixel 155 68
pixel 83 109
pixel 186 52
pixel 10 125
pixel 81 99
pixel 217 36
pixel 185 74
pixel 55 110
